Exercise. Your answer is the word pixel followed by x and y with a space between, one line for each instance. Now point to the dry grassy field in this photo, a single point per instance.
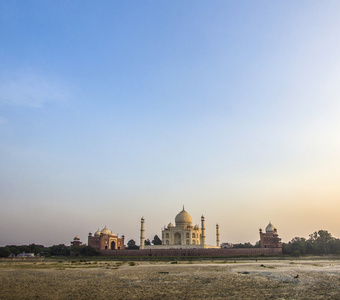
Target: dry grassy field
pixel 222 279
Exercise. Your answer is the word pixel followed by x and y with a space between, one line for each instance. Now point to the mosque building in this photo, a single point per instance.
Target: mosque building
pixel 270 239
pixel 182 235
pixel 105 240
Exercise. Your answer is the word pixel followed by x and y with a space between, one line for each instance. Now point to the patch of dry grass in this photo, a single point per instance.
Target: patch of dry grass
pixel 155 280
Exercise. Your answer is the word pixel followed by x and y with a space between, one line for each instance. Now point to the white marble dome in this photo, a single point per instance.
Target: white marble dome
pixel 183 218
pixel 270 228
pixel 105 231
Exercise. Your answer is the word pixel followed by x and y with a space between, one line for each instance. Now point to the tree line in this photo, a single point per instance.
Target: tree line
pixel 55 250
pixel 131 244
pixel 319 243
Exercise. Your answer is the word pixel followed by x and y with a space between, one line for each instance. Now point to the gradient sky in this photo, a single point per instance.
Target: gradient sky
pixel 114 110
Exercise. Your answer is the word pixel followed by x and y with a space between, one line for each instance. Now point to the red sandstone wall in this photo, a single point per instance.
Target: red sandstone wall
pixel 121 243
pixel 193 252
pixel 94 242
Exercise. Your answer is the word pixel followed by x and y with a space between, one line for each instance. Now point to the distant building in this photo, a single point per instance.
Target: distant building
pixel 226 245
pixel 76 241
pixel 270 239
pixel 105 240
pixel 182 235
pixel 25 255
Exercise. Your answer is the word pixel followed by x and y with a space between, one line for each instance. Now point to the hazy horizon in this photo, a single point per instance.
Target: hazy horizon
pixel 112 111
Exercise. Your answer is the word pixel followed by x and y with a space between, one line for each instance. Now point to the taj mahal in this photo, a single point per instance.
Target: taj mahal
pixel 181 238
pixel 182 235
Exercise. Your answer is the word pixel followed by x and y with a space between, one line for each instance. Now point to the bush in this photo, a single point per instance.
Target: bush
pixel 88 251
pixel 60 250
pixel 4 252
pixel 296 253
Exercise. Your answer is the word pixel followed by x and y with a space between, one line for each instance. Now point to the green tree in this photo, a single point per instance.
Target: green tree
pixel 296 247
pixel 147 242
pixel 321 240
pixel 36 249
pixel 245 245
pixel 4 252
pixel 334 246
pixel 131 244
pixel 88 251
pixel 156 240
pixel 14 249
pixel 24 249
pixel 75 250
pixel 59 250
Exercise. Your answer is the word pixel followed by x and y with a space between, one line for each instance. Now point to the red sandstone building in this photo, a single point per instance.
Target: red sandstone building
pixel 270 239
pixel 76 241
pixel 105 240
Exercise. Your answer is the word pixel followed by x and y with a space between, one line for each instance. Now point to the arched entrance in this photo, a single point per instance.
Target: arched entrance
pixel 113 245
pixel 178 238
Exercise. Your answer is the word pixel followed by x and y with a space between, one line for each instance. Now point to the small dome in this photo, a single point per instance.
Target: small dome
pixel 97 233
pixel 105 231
pixel 270 228
pixel 196 227
pixel 170 225
pixel 183 218
pixel 76 238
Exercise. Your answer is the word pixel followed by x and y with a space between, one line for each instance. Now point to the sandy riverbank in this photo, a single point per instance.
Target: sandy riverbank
pixel 262 279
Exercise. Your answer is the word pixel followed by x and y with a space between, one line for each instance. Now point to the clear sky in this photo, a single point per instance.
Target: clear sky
pixel 114 110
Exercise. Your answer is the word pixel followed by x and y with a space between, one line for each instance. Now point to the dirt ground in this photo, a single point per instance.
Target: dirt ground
pixel 223 279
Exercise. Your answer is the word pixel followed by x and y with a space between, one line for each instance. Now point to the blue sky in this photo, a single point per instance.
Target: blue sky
pixel 116 110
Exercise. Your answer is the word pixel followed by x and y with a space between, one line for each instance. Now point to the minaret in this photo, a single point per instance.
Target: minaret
pixel 203 231
pixel 142 236
pixel 261 238
pixel 217 235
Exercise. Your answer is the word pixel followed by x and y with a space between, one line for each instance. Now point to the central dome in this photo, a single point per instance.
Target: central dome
pixel 270 228
pixel 105 231
pixel 183 218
